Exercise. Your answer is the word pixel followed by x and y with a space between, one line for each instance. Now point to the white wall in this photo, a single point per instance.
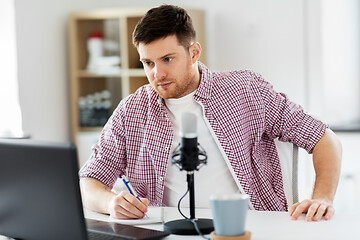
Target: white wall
pixel 341 60
pixel 265 36
pixel 10 120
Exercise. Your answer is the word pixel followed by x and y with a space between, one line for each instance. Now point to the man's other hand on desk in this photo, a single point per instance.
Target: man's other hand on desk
pixel 125 206
pixel 315 209
pixel 327 162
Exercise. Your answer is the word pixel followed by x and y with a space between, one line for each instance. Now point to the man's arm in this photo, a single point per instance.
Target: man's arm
pixel 327 162
pixel 98 197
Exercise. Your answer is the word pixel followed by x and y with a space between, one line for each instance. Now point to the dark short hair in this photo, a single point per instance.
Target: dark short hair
pixel 164 21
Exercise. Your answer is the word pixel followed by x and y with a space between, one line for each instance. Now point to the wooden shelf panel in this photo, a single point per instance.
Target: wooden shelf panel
pixel 103 14
pixel 87 74
pixel 136 82
pixel 90 129
pixel 126 72
pixel 133 55
pixel 134 72
pixel 91 85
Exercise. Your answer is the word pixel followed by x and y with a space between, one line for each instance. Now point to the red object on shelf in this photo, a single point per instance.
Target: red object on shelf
pixel 96 34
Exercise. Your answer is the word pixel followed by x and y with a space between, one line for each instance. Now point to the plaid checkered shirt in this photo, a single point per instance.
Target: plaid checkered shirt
pixel 245 113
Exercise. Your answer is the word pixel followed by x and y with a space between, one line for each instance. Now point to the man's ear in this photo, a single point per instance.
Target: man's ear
pixel 195 51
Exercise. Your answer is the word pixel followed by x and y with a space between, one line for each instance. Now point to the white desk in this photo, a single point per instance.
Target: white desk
pixel 272 225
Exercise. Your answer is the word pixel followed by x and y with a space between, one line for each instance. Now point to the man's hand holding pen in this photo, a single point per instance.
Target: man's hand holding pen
pixel 126 206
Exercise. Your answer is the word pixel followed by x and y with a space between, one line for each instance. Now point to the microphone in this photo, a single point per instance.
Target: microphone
pixel 189 155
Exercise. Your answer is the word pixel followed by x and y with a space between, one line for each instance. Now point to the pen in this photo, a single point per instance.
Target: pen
pixel 130 188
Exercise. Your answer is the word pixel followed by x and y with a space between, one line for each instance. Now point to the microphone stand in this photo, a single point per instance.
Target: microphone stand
pixel 190 181
pixel 187 226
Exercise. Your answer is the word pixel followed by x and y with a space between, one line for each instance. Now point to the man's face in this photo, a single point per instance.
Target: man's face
pixel 170 68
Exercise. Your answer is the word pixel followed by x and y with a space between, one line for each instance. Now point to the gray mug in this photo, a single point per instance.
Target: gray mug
pixel 229 213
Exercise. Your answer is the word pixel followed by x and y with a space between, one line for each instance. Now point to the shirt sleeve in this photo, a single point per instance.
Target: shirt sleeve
pixel 287 120
pixel 108 159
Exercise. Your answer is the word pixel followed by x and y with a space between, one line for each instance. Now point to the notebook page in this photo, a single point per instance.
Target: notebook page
pixel 154 215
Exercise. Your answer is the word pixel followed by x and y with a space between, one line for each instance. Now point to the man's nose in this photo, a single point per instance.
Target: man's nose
pixel 159 73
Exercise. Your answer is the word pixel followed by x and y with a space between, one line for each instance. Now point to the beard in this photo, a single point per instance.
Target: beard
pixel 179 87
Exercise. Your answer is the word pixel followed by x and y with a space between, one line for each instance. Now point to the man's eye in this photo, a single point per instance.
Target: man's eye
pixel 168 59
pixel 147 63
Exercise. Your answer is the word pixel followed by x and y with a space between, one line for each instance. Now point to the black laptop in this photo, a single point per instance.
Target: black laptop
pixel 40 196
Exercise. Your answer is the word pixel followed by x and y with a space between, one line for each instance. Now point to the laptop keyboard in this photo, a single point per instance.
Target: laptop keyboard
pixel 100 236
pixel 105 230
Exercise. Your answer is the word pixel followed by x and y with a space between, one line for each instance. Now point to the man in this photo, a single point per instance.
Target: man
pixel 239 116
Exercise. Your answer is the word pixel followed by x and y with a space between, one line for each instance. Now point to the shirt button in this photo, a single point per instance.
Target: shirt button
pixel 161 179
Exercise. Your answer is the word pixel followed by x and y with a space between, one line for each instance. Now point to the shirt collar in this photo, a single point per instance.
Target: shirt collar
pixel 204 89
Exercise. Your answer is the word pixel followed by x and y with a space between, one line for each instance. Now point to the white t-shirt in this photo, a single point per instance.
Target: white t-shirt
pixel 212 178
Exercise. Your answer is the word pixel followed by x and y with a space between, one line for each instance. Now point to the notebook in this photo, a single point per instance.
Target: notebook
pixel 40 196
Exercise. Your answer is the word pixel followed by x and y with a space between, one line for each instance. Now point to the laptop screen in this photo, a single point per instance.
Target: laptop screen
pixel 40 196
